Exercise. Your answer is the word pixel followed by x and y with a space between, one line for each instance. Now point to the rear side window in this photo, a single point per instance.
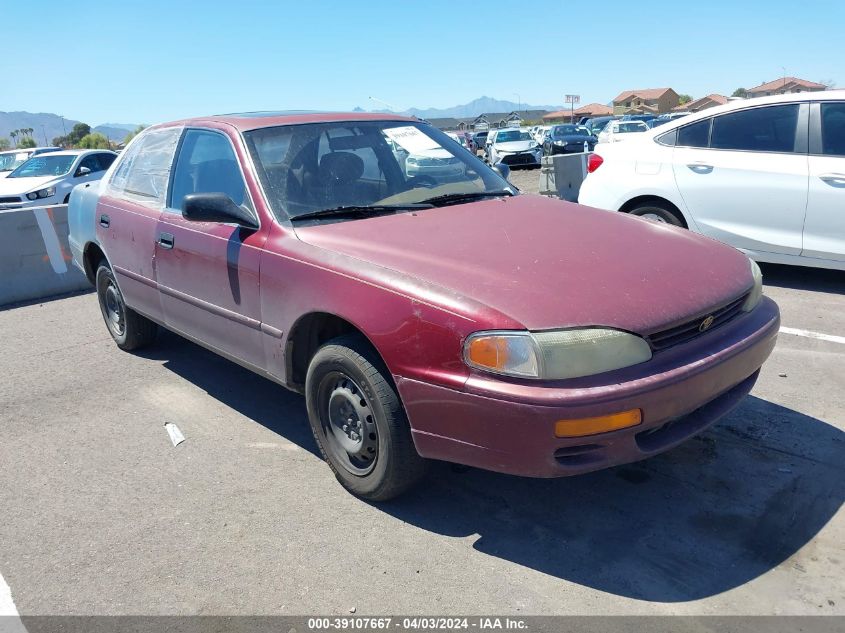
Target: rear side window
pixel 833 129
pixel 144 168
pixel 105 160
pixel 768 129
pixel 695 134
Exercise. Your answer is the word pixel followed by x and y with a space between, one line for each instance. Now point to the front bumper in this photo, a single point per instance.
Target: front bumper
pixel 509 426
pixel 521 158
pixel 25 203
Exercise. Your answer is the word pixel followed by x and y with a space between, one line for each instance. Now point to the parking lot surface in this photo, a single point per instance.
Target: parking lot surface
pixel 103 515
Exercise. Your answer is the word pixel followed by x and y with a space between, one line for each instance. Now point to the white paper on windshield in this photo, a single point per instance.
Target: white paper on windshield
pixel 21 156
pixel 411 139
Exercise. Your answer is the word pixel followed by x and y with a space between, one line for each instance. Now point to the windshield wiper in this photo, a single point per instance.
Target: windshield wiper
pixel 360 210
pixel 449 198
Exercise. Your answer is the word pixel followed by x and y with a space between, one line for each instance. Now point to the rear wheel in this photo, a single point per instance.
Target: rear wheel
pixel 658 212
pixel 358 421
pixel 129 329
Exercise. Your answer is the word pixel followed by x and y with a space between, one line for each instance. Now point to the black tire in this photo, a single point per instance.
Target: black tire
pixel 659 212
pixel 129 329
pixel 373 456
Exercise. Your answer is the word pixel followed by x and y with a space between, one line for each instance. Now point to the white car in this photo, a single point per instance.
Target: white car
pixel 616 131
pixel 436 163
pixel 47 179
pixel 764 175
pixel 12 159
pixel 514 147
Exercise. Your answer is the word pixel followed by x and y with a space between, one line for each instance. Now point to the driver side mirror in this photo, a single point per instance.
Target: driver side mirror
pixel 216 207
pixel 503 170
pixel 82 171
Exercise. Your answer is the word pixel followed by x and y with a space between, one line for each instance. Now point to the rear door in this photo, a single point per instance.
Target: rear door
pixel 743 176
pixel 824 229
pixel 127 215
pixel 207 271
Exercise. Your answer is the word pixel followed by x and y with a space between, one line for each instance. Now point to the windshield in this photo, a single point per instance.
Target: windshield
pixel 507 136
pixel 322 166
pixel 11 160
pixel 632 126
pixel 44 165
pixel 565 130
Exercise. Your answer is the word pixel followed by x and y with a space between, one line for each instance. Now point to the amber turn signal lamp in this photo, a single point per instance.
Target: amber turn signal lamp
pixel 600 424
pixel 489 351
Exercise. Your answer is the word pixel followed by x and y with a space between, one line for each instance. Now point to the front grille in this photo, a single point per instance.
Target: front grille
pixel 519 159
pixel 10 199
pixel 691 329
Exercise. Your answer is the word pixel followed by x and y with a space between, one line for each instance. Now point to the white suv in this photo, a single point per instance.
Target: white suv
pixel 764 175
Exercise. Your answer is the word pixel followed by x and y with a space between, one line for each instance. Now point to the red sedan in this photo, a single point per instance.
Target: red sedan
pixel 422 318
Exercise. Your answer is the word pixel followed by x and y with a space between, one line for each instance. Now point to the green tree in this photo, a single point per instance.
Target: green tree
pixel 134 133
pixel 5 143
pixel 94 141
pixel 14 135
pixel 27 141
pixel 740 92
pixel 682 99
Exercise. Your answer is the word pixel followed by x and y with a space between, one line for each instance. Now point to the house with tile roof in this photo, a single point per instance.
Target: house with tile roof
pixel 590 110
pixel 785 85
pixel 645 101
pixel 702 103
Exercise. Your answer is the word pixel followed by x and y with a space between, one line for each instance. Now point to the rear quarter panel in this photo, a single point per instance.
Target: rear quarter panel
pixel 81 213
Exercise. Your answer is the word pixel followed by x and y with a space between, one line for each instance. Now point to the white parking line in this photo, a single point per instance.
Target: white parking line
pixel 817 335
pixel 10 621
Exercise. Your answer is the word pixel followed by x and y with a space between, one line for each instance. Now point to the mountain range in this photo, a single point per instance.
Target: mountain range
pixel 47 126
pixel 475 107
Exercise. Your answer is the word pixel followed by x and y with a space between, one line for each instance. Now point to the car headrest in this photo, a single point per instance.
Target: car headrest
pixel 342 167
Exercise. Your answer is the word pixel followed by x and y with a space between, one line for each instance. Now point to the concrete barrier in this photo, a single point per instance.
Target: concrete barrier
pixel 562 175
pixel 35 260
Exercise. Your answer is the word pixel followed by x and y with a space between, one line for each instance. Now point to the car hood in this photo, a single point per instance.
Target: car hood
pixel 514 146
pixel 547 263
pixel 19 186
pixel 574 138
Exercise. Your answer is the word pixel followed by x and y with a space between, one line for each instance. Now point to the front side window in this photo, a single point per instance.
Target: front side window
pixel 144 167
pixel 767 129
pixel 695 134
pixel 207 164
pixel 833 129
pixel 44 165
pixel 91 162
pixel 329 166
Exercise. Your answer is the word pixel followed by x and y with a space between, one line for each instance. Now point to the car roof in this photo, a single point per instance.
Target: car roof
pixel 740 104
pixel 23 149
pixel 78 152
pixel 245 121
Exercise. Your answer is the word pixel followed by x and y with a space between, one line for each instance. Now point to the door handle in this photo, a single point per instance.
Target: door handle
pixel 834 179
pixel 105 221
pixel 700 168
pixel 165 240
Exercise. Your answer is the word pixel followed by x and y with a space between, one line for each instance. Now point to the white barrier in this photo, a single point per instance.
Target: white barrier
pixel 35 260
pixel 561 175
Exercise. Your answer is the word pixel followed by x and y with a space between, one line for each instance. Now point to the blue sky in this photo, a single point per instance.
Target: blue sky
pixel 126 62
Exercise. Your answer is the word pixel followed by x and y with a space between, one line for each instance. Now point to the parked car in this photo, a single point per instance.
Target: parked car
pixel 514 147
pixel 48 178
pixel 765 175
pixel 597 124
pixel 435 319
pixel 671 116
pixel 653 123
pixel 438 163
pixel 568 138
pixel 645 118
pixel 616 131
pixel 540 133
pixel 462 138
pixel 12 159
pixel 479 139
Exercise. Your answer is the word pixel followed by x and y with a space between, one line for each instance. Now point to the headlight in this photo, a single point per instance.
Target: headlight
pixel 411 160
pixel 560 142
pixel 555 355
pixel 756 293
pixel 42 193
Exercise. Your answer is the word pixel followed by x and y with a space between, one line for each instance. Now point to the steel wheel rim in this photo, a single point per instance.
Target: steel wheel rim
pixel 113 308
pixel 348 424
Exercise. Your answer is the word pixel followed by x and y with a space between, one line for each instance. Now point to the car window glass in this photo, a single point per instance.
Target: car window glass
pixel 91 163
pixel 668 138
pixel 144 167
pixel 105 160
pixel 695 134
pixel 833 129
pixel 768 129
pixel 207 164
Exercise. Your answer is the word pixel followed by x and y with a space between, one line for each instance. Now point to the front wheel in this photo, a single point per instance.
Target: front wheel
pixel 358 421
pixel 129 329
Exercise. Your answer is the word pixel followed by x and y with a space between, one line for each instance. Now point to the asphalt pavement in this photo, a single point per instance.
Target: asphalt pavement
pixel 101 514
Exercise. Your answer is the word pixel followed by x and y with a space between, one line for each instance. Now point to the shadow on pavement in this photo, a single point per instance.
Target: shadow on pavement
pixel 713 514
pixel 804 278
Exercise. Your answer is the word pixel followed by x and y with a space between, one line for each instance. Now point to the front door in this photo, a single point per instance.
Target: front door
pixel 207 272
pixel 824 229
pixel 744 181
